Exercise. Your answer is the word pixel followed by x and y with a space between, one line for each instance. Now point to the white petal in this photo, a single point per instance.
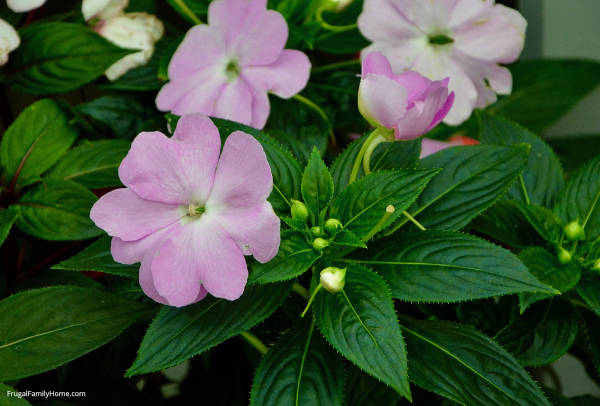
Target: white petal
pixel 20 6
pixel 9 40
pixel 102 9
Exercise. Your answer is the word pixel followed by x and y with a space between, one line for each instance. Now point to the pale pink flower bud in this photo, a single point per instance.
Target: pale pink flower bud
pixel 9 40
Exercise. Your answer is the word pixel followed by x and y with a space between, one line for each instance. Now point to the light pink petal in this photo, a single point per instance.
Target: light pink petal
pixel 430 147
pixel 193 94
pixel 415 83
pixel 384 20
pixel 376 63
pixel 424 115
pixel 428 15
pixel 381 100
pixel 255 229
pixel 199 253
pixel 122 213
pixel 500 79
pixel 243 177
pixel 401 54
pixel 169 170
pixel 261 107
pixel 499 36
pixel 130 252
pixel 466 11
pixel 201 47
pixel 285 77
pixel 253 34
pixel 200 130
pixel 235 102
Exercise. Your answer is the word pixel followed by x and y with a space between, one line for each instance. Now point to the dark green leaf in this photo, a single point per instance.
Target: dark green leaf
pixel 177 334
pixel 361 324
pixel 545 267
pixel 542 335
pixel 589 289
pixel 7 218
pixel 317 186
pixel 543 176
pixel 460 363
pixel 295 256
pixel 364 390
pixel 35 141
pixel 446 266
pixel 41 329
pixel 580 199
pixel 472 179
pixel 93 165
pixel 97 257
pixel 58 57
pixel 300 369
pixel 348 238
pixel 544 221
pixel 590 332
pixel 345 42
pixel 363 203
pixel 342 166
pixel 197 7
pixel 11 400
pixel 57 210
pixel 545 89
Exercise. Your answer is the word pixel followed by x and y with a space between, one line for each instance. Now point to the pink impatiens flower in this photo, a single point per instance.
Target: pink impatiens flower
pixel 226 68
pixel 409 103
pixel 465 40
pixel 190 216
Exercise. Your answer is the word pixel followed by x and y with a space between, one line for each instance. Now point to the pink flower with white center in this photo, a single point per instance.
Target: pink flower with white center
pixel 226 68
pixel 409 103
pixel 430 147
pixel 465 40
pixel 190 216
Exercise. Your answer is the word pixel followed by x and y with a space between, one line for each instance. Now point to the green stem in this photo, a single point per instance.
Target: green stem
pixel 380 224
pixel 358 317
pixel 255 342
pixel 312 297
pixel 381 138
pixel 524 190
pixel 301 290
pixel 188 12
pixel 325 25
pixel 303 359
pixel 335 66
pixel 319 111
pixel 361 154
pixel 414 220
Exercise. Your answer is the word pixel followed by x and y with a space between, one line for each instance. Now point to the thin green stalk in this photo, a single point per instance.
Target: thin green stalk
pixel 319 111
pixel 312 297
pixel 380 224
pixel 301 290
pixel 414 220
pixel 329 27
pixel 303 359
pixel 524 189
pixel 188 12
pixel 381 138
pixel 335 66
pixel 255 342
pixel 361 154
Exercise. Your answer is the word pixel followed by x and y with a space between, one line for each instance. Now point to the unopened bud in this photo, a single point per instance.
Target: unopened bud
pixel 596 266
pixel 574 231
pixel 336 5
pixel 332 225
pixel 320 244
pixel 317 231
pixel 564 256
pixel 299 210
pixel 333 279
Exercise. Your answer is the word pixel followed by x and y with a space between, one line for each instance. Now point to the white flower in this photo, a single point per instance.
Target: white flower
pixel 138 31
pixel 9 40
pixel 465 40
pixel 20 6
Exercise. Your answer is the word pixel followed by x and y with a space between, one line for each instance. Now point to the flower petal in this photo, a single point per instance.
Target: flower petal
pixel 381 100
pixel 261 107
pixel 383 20
pixel 243 178
pixel 170 170
pixel 195 254
pixel 425 114
pixel 130 252
pixel 102 9
pixel 285 77
pixel 255 229
pixel 20 6
pixel 10 40
pixel 376 63
pixel 122 213
pixel 255 35
pixel 466 11
pixel 235 102
pixel 201 47
pixel 430 147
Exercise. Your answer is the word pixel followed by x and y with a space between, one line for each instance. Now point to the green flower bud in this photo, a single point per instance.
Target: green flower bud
pixel 320 244
pixel 574 231
pixel 596 266
pixel 317 231
pixel 564 256
pixel 299 210
pixel 336 5
pixel 332 225
pixel 333 279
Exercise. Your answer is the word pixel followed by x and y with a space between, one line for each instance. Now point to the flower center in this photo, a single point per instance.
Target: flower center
pixel 194 210
pixel 440 39
pixel 232 70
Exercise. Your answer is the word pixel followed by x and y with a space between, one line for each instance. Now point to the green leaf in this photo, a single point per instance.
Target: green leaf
pixel 317 186
pixel 580 199
pixel 342 166
pixel 364 390
pixel 177 334
pixel 363 203
pixel 472 179
pixel 97 257
pixel 447 266
pixel 295 257
pixel 7 218
pixel 542 335
pixel 58 57
pixel 545 89
pixel 93 165
pixel 349 239
pixel 300 369
pixel 35 141
pixel 286 170
pixel 6 400
pixel 361 324
pixel 543 177
pixel 344 42
pixel 590 333
pixel 463 365
pixel 544 221
pixel 123 114
pixel 41 329
pixel 57 210
pixel 589 290
pixel 545 267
